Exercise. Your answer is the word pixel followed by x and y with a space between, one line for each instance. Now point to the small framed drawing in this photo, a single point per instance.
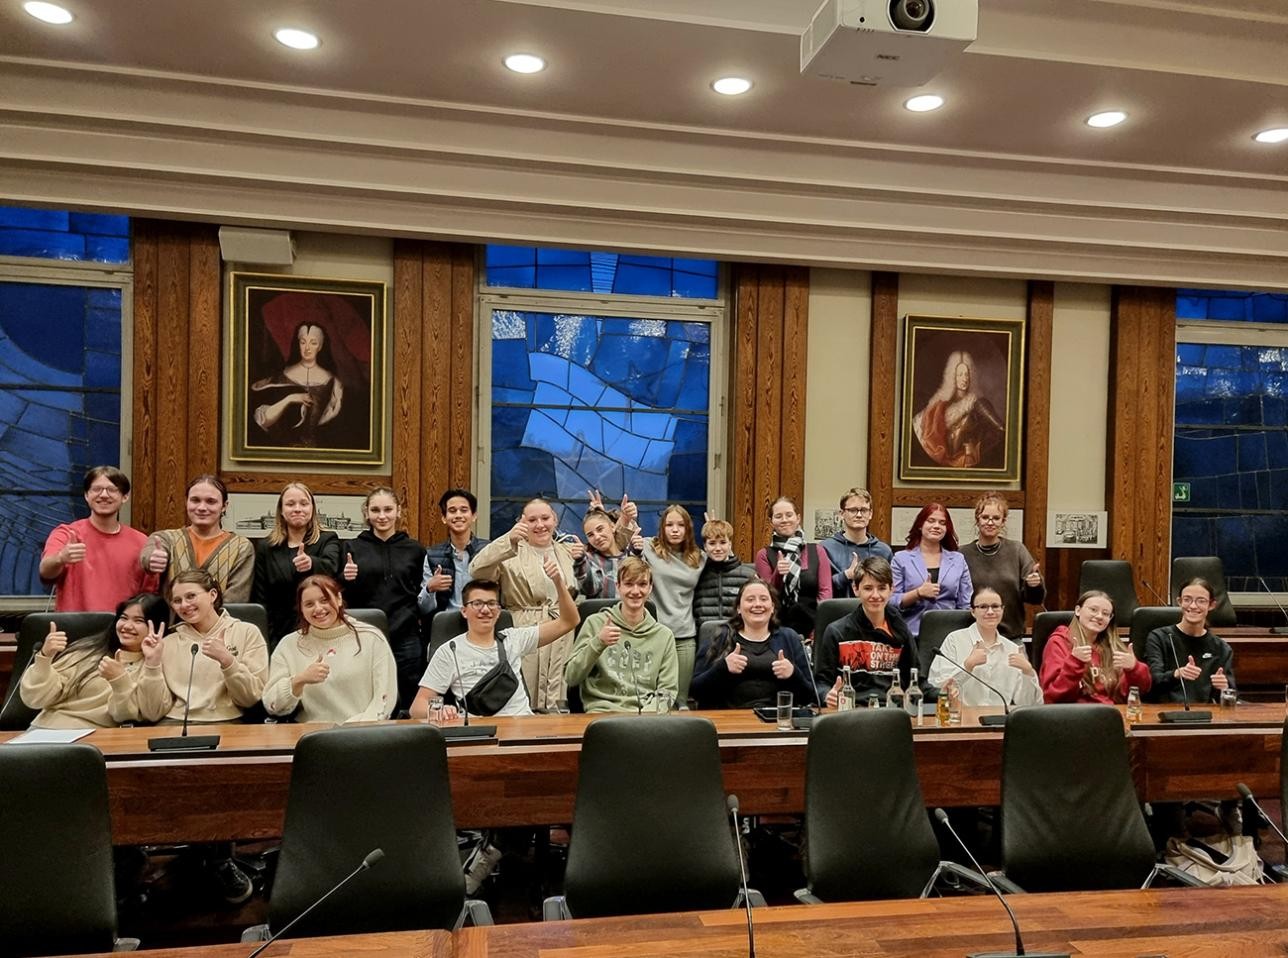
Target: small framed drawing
pixel 306 370
pixel 1077 530
pixel 963 397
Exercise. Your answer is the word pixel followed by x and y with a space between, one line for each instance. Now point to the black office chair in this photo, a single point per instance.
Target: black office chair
pixel 1044 623
pixel 1114 578
pixel 862 763
pixel 354 790
pixel 449 623
pixel 1146 620
pixel 375 618
pixel 1071 820
pixel 251 612
pixel 1210 568
pixel 650 832
pixel 588 607
pixel 56 871
pixel 935 626
pixel 829 610
pixel 14 714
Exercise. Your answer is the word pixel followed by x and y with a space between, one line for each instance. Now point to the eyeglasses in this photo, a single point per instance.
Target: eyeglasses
pixel 480 605
pixel 1194 600
pixel 858 511
pixel 104 490
pixel 987 608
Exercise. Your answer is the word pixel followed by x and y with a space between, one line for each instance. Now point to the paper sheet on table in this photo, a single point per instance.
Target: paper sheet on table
pixel 49 736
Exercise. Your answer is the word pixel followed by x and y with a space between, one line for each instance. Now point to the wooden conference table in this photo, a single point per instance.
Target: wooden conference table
pixel 1197 923
pixel 528 774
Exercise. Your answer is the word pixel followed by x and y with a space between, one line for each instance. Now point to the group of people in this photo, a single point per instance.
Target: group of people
pixel 317 662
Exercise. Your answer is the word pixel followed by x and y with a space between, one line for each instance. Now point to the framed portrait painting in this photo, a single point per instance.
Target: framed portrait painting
pixel 306 379
pixel 963 385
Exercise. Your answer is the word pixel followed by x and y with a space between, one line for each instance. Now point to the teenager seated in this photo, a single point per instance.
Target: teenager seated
pixel 1085 661
pixel 623 659
pixel 333 668
pixel 1186 660
pixel 92 682
pixel 753 658
pixel 481 667
pixel 988 656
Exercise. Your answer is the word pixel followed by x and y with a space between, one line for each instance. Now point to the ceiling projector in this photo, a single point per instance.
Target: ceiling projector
pixel 886 42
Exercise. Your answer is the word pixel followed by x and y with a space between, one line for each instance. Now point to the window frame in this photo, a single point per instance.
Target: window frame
pixel 713 312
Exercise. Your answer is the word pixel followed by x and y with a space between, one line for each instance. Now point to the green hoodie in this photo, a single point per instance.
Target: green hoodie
pixel 608 679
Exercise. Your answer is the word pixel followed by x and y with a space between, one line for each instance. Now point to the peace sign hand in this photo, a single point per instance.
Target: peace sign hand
pixel 152 645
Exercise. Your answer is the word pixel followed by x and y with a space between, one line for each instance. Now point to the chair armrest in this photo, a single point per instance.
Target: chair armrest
pixel 126 944
pixel 555 908
pixel 805 897
pixel 965 874
pixel 1005 885
pixel 255 933
pixel 756 898
pixel 476 913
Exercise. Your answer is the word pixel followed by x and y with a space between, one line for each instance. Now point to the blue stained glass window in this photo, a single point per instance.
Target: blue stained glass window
pixel 593 402
pixel 1231 443
pixel 60 412
pixel 586 271
pixel 64 235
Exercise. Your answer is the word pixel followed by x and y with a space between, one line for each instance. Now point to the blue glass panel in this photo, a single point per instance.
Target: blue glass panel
pixel 600 272
pixel 42 244
pixel 25 523
pixel 1227 308
pixel 603 267
pixel 697 278
pixel 510 364
pixel 523 277
pixel 572 278
pixel 28 312
pixel 1192 536
pixel 102 370
pixel 1189 354
pixel 498 255
pixel 1277 451
pixel 1267 308
pixel 502 395
pixel 1189 306
pixel 107 249
pixel 688 476
pixel 103 224
pixel 691 435
pixel 508 426
pixel 522 469
pixel 1204 413
pixel 1248 497
pixel 554 256
pixel 642 276
pixel 1252 452
pixel 18 217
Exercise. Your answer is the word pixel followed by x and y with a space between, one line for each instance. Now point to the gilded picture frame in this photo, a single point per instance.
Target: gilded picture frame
pixel 963 398
pixel 306 370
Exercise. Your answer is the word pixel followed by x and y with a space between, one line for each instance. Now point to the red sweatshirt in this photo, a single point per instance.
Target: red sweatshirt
pixel 1062 675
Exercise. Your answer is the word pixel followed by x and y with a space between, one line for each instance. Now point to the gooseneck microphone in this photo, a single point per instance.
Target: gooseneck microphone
pixel 630 663
pixel 183 742
pixel 465 705
pixel 732 803
pixel 1019 952
pixel 373 856
pixel 1246 794
pixel 983 719
pixel 1154 592
pixel 1278 629
pixel 1187 715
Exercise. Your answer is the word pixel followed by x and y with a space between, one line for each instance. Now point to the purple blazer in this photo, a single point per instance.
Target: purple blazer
pixel 955 588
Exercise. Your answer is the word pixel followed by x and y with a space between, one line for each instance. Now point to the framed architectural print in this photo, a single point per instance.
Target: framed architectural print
pixel 306 370
pixel 963 385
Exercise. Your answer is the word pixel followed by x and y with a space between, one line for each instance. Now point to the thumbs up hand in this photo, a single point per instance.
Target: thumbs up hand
pixel 73 551
pixel 54 643
pixel 735 661
pixel 1189 671
pixel 302 561
pixel 1220 681
pixel 1033 577
pixel 610 633
pixel 159 560
pixel 440 581
pixel 109 668
pixel 834 693
pixel 782 668
pixel 350 568
pixel 314 674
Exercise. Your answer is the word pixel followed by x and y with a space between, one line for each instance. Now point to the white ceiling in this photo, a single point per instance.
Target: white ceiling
pixel 1198 79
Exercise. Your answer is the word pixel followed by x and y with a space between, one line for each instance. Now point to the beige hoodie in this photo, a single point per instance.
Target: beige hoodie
pixel 218 694
pixel 98 703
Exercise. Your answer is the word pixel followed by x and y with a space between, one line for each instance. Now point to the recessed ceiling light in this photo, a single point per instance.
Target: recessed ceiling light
pixel 731 86
pixel 525 63
pixel 48 12
pixel 1278 135
pixel 924 103
pixel 297 39
pixel 1107 119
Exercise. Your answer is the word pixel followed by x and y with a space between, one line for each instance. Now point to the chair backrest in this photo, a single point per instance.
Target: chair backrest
pixel 588 607
pixel 867 834
pixel 56 870
pixel 1044 623
pixel 829 610
pixel 1070 817
pixel 14 714
pixel 375 618
pixel 1146 620
pixel 354 790
pixel 1113 577
pixel 935 626
pixel 449 623
pixel 1221 612
pixel 251 612
pixel 650 832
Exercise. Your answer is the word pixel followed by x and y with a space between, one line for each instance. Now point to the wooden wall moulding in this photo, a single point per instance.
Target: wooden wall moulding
pixel 766 396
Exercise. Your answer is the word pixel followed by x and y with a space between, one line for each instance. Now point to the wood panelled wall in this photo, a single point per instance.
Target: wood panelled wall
pixel 1142 394
pixel 177 348
pixel 766 397
pixel 432 394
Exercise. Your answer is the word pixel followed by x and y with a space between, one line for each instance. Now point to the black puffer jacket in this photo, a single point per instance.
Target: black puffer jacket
pixel 717 589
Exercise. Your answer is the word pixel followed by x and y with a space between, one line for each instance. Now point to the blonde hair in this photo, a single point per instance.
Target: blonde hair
pixel 277 535
pixel 1104 645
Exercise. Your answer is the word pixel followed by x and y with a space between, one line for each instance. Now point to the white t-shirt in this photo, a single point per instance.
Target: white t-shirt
pixel 520 640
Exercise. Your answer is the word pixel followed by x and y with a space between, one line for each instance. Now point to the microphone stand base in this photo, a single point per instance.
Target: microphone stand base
pixel 1016 954
pixel 1192 717
pixel 1279 630
pixel 993 719
pixel 184 743
pixel 468 733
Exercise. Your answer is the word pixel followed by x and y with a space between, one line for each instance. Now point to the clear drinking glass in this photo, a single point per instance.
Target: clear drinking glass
pixel 954 705
pixel 1229 698
pixel 435 714
pixel 785 711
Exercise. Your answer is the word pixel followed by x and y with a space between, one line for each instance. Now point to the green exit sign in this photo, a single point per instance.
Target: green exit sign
pixel 1180 492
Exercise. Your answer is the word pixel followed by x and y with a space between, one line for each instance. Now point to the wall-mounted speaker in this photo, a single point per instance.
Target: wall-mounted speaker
pixel 240 244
